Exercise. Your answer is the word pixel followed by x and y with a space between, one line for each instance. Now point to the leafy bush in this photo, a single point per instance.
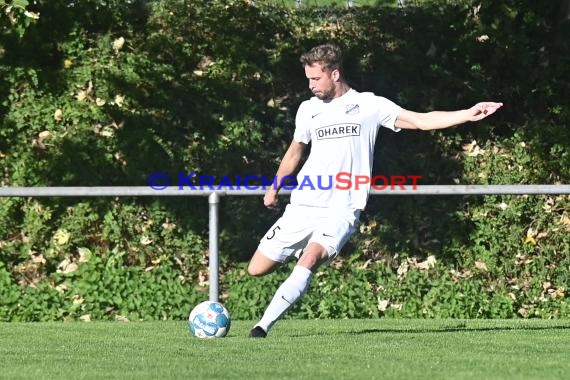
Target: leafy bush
pixel 106 93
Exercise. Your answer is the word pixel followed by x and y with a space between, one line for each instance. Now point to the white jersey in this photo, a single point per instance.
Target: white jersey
pixel 343 132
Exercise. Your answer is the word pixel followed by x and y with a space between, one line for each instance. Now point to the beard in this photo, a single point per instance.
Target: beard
pixel 325 95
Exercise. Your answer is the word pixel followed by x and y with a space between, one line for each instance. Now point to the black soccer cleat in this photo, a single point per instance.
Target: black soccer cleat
pixel 257 332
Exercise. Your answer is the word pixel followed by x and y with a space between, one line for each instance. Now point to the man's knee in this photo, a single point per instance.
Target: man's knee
pixel 255 271
pixel 261 265
pixel 313 256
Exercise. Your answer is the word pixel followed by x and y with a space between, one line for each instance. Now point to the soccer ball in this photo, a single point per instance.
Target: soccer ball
pixel 209 320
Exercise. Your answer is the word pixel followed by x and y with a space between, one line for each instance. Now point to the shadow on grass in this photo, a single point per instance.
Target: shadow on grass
pixel 435 330
pixel 459 328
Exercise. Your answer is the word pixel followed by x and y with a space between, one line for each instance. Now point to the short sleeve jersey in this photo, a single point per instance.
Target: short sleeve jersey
pixel 342 133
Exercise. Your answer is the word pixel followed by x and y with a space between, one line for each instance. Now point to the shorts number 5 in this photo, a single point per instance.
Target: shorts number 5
pixel 273 231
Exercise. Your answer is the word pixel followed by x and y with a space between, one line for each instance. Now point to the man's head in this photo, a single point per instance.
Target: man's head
pixel 323 68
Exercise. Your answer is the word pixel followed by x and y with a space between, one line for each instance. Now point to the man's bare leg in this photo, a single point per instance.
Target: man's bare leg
pixel 292 289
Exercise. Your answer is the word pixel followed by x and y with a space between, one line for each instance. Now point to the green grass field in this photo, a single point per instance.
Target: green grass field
pixel 295 349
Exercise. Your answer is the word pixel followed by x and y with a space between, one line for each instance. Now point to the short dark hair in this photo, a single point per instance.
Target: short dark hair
pixel 328 55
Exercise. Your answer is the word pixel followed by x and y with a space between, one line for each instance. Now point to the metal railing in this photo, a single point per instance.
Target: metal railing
pixel 214 193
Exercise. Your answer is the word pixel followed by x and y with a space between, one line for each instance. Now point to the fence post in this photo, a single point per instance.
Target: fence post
pixel 214 262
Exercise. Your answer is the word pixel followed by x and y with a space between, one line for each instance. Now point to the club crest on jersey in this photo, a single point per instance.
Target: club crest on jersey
pixel 337 131
pixel 352 109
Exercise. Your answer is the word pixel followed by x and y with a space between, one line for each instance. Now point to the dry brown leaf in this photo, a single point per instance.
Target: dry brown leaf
pixel 423 265
pixel 145 240
pixel 205 62
pixel 366 264
pixel 77 300
pixel 483 38
pixel 61 237
pixel 472 149
pixel 565 220
pixel 118 44
pixel 84 254
pixel 119 100
pixel 84 94
pixel 481 265
pixel 58 115
pixel 383 305
pixel 403 269
pixel 66 266
pixel 546 285
pixel 202 278
pixel 38 259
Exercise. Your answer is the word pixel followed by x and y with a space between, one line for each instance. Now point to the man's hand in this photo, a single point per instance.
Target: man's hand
pixel 270 200
pixel 482 110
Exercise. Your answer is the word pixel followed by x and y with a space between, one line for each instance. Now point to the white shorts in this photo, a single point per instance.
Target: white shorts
pixel 301 225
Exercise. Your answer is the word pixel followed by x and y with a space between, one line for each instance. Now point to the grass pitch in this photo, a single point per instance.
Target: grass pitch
pixel 295 349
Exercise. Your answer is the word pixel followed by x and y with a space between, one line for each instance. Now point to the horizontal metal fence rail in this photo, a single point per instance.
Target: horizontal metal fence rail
pixel 215 192
pixel 138 191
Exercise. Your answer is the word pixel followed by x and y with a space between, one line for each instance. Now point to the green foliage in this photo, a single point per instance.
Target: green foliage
pixel 15 18
pixel 107 92
pixel 100 288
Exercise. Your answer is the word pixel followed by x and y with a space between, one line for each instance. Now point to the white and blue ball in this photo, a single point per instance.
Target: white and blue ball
pixel 209 320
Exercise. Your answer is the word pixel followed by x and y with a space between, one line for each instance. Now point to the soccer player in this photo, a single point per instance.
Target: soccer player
pixel 342 125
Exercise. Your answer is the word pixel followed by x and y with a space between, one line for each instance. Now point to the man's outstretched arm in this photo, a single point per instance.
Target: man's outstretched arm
pixel 288 166
pixel 445 119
